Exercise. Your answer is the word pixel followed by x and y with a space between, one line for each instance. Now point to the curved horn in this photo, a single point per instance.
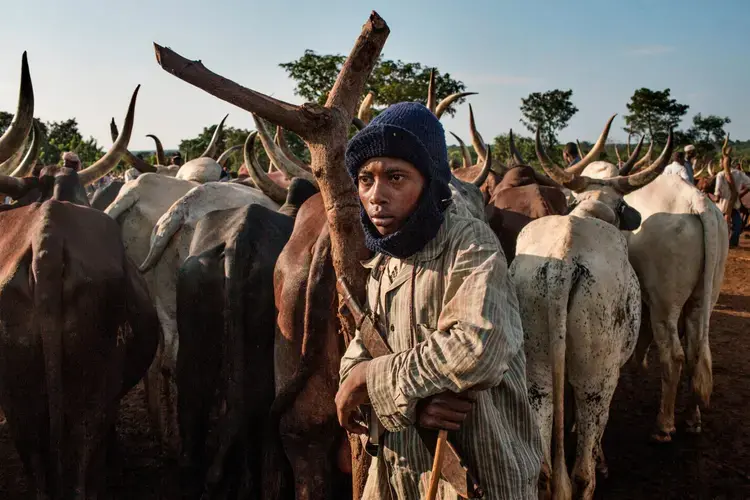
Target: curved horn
pixel 222 160
pixel 479 179
pixel 629 183
pixel 281 142
pixel 365 109
pixel 514 153
pixel 464 151
pixel 726 150
pixel 358 124
pixel 617 154
pixel 12 163
pixel 259 177
pixel 630 134
pixel 129 158
pixel 113 156
pixel 161 159
pixel 626 167
pixel 646 158
pixel 572 181
pixel 431 97
pixel 27 165
pixel 593 155
pixel 19 128
pixel 446 103
pixel 277 156
pixel 211 150
pixel 16 187
pixel 476 138
pixel 580 149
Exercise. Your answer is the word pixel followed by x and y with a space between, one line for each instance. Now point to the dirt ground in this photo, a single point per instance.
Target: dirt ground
pixel 714 465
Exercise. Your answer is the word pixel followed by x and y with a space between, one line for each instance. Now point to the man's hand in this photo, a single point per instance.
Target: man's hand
pixel 446 410
pixel 351 394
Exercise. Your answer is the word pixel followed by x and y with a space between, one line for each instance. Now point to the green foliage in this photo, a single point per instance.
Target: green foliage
pixel 653 112
pixel 390 82
pixel 525 146
pixel 549 111
pixel 707 132
pixel 65 136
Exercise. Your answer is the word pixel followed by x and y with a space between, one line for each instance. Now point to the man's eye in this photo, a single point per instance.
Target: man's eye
pixel 397 177
pixel 365 180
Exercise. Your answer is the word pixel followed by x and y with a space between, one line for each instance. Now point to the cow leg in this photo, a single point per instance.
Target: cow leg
pixel 671 357
pixel 168 425
pixel 593 394
pixel 539 376
pixel 694 358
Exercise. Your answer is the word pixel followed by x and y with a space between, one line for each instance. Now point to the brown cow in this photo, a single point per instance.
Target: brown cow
pixel 77 327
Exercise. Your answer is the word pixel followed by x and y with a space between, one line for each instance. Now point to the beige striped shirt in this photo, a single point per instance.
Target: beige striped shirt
pixel 468 335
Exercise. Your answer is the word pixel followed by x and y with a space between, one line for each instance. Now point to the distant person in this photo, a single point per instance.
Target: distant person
pixel 690 156
pixel 723 193
pixel 71 161
pixel 677 167
pixel 570 154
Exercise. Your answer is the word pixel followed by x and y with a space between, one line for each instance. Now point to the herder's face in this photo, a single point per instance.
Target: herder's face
pixel 389 189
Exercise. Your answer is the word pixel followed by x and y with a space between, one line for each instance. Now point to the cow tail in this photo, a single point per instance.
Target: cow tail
pixel 48 273
pixel 232 370
pixel 559 286
pixel 698 347
pixel 166 227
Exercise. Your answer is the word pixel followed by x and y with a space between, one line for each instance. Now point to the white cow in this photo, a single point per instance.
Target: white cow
pixel 679 253
pixel 581 310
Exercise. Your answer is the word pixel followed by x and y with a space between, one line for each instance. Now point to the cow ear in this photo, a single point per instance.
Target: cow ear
pixel 630 218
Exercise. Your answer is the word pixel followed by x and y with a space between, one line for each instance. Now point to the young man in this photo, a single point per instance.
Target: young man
pixel 570 154
pixel 723 192
pixel 677 167
pixel 439 289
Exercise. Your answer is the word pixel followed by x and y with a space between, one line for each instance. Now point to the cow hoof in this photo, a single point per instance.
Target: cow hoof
pixel 693 428
pixel 661 437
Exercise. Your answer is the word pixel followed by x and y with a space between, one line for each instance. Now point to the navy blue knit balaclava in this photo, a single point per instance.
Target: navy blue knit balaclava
pixel 408 131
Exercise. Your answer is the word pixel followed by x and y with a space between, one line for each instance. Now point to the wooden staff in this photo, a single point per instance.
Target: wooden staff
pixel 437 463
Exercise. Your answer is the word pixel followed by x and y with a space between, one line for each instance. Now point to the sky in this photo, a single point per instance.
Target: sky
pixel 87 56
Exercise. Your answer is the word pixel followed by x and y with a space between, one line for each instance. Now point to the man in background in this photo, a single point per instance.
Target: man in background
pixel 690 155
pixel 677 167
pixel 570 154
pixel 723 193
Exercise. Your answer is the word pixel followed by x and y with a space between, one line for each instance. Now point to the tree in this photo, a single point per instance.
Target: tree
pixel 653 112
pixel 707 131
pixel 391 81
pixel 64 136
pixel 525 146
pixel 549 111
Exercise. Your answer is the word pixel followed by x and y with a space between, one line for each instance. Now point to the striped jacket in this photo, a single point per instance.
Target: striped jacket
pixel 467 334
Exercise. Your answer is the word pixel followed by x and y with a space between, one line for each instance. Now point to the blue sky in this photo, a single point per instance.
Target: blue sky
pixel 86 56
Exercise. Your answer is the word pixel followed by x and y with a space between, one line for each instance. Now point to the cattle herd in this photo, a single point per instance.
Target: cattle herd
pixel 219 296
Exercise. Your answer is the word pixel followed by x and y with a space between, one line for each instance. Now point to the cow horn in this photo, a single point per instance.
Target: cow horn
pixel 12 163
pixel 19 128
pixel 129 158
pixel 486 167
pixel 431 91
pixel 593 155
pixel 446 103
pixel 259 177
pixel 617 154
pixel 476 138
pixel 572 181
pixel 277 156
pixel 358 124
pixel 113 156
pixel 222 160
pixel 629 183
pixel 464 151
pixel 646 158
pixel 365 109
pixel 16 187
pixel 726 150
pixel 628 165
pixel 580 149
pixel 161 158
pixel 27 165
pixel 630 134
pixel 213 146
pixel 515 155
pixel 281 142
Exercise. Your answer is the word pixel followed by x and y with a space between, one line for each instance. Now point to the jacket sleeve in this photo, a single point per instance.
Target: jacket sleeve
pixel 478 333
pixel 355 354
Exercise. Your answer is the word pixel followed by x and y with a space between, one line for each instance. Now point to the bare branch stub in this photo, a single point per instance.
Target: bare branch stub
pixel 302 120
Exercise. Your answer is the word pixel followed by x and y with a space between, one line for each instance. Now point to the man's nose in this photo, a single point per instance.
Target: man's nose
pixel 378 194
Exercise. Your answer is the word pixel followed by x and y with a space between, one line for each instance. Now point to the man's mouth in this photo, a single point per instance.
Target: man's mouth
pixel 381 220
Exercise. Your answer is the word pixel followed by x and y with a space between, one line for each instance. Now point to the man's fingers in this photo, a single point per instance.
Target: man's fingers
pixel 452 402
pixel 445 413
pixel 431 422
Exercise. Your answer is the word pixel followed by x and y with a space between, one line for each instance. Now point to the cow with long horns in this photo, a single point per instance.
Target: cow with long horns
pixel 581 310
